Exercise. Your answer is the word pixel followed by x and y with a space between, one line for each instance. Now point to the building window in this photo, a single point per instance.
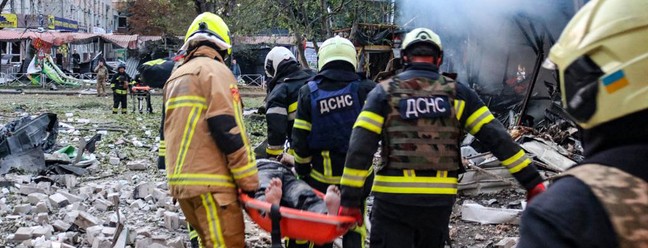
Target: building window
pixel 121 22
pixel 13 49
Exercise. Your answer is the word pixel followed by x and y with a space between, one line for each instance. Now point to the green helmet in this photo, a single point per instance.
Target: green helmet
pixel 337 48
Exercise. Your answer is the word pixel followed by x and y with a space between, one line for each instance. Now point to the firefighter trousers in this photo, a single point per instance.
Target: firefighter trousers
pixel 217 218
pixel 120 99
pixel 396 225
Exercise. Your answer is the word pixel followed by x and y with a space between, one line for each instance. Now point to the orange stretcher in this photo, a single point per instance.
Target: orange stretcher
pixel 295 223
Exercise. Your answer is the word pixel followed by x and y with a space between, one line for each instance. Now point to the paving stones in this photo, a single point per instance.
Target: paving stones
pixel 35 198
pixel 23 233
pixel 138 165
pixel 171 221
pixel 85 220
pixel 58 200
pixel 61 226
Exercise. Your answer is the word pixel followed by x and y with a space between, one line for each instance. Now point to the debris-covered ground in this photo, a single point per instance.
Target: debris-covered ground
pixel 120 176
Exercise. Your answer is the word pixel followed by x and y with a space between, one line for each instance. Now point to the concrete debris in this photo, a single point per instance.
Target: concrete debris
pixel 35 198
pixel 22 209
pixel 114 160
pixel 58 200
pixel 171 221
pixel 142 190
pixel 42 218
pixel 92 232
pixel 138 165
pixel 61 226
pixel 485 215
pixel 85 220
pixel 508 242
pixel 175 243
pixel 23 233
pixel 548 155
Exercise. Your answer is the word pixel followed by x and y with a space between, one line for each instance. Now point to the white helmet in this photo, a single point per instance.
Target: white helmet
pixel 274 58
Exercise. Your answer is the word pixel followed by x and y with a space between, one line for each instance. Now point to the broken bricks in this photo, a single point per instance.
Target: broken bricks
pixel 138 165
pixel 171 221
pixel 58 200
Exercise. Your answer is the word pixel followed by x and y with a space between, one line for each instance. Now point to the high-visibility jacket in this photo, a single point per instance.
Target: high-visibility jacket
pixel 424 187
pixel 207 149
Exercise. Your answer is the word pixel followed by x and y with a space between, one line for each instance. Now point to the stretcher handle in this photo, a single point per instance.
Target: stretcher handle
pixel 275 216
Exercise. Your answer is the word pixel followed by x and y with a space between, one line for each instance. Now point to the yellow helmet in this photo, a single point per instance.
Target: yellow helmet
pixel 602 58
pixel 419 35
pixel 337 48
pixel 210 27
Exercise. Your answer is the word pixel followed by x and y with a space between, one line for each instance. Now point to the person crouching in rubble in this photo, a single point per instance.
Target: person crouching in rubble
pixel 420 115
pixel 601 60
pixel 119 85
pixel 208 156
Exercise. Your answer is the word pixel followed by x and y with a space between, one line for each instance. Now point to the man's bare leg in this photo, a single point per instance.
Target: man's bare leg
pixel 332 199
pixel 273 192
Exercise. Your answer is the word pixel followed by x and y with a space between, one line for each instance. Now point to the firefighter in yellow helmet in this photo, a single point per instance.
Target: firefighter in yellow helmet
pixel 420 115
pixel 601 59
pixel 328 106
pixel 208 156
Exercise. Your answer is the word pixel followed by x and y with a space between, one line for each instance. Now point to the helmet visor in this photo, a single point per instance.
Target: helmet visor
pixel 579 86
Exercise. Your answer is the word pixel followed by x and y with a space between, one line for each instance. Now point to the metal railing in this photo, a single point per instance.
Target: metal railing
pixel 253 80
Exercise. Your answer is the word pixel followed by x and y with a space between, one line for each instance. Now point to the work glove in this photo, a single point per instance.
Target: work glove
pixel 355 213
pixel 535 191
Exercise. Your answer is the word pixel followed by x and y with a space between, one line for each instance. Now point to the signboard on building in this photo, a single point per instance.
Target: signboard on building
pixel 58 23
pixel 8 21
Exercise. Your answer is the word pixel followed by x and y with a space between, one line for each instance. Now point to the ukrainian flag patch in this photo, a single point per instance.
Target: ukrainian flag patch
pixel 615 81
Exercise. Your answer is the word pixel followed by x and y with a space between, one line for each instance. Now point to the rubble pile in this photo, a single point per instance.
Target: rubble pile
pixel 89 214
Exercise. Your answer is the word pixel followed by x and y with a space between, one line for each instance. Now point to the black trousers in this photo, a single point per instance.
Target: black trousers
pixel 402 226
pixel 120 99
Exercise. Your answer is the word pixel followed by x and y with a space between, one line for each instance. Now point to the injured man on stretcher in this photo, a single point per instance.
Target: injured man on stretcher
pixel 279 185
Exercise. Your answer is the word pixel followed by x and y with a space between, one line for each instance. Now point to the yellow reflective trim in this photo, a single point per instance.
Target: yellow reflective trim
pixel 356 172
pixel 459 106
pixel 328 168
pixel 478 119
pixel 302 124
pixel 215 230
pixel 186 101
pixel 292 107
pixel 399 179
pixel 370 121
pixel 238 114
pixel 155 62
pixel 408 190
pixel 201 180
pixel 520 166
pixel 324 179
pixel 273 152
pixel 301 160
pixel 353 177
pixel 513 158
pixel 244 171
pixel 187 135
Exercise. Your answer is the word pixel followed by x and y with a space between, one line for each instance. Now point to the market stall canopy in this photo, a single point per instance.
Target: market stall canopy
pixel 59 38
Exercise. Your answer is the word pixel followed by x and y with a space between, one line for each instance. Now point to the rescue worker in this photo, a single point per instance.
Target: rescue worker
pixel 601 60
pixel 281 107
pixel 327 108
pixel 119 86
pixel 208 156
pixel 419 116
pixel 102 75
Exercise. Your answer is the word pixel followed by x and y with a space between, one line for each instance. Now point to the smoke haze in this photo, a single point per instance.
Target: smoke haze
pixel 480 36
